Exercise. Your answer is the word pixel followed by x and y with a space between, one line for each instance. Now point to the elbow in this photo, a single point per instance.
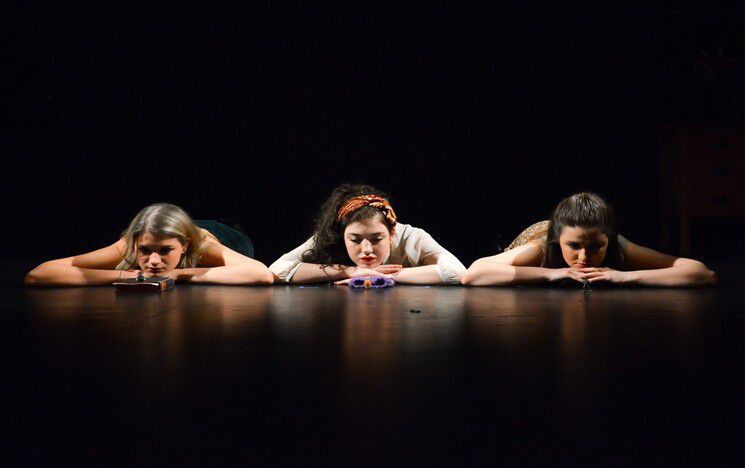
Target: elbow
pixel 31 279
pixel 468 278
pixel 701 275
pixel 455 276
pixel 266 279
pixel 472 275
pixel 263 278
pixel 36 277
pixel 278 276
pixel 708 277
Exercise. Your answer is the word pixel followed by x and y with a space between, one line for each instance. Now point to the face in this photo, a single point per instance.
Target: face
pixel 158 255
pixel 583 247
pixel 368 242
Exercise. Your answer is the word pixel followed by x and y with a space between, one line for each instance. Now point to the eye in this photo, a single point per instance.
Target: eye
pixel 165 250
pixel 145 250
pixel 573 245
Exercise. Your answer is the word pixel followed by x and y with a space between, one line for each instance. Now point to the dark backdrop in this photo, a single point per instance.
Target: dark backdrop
pixel 476 121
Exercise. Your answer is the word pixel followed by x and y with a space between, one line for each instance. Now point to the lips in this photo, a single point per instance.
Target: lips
pixel 367 259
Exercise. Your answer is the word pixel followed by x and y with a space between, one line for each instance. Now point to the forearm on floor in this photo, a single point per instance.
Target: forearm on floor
pixel 503 275
pixel 428 274
pixel 675 276
pixel 314 273
pixel 242 274
pixel 51 274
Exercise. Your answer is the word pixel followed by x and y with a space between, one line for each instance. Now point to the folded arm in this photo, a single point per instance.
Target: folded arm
pixel 92 268
pixel 648 267
pixel 222 265
pixel 520 265
pixel 434 263
pixel 314 273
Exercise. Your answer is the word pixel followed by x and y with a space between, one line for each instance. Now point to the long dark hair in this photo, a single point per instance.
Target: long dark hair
pixel 586 210
pixel 328 234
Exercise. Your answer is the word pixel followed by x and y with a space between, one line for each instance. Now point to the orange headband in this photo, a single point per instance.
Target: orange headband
pixel 355 203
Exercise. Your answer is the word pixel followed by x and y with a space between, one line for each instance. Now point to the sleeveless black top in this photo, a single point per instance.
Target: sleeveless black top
pixel 231 237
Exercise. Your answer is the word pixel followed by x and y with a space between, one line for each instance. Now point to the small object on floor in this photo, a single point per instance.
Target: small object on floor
pixel 371 282
pixel 586 286
pixel 142 284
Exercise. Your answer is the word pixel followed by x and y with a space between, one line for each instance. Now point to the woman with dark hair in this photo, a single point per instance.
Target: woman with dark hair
pixel 357 234
pixel 161 240
pixel 581 243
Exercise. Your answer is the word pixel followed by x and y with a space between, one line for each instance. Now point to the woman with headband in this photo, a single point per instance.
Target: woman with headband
pixel 580 243
pixel 357 234
pixel 162 240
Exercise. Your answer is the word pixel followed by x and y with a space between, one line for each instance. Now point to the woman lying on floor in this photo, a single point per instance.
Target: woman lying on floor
pixel 356 234
pixel 580 243
pixel 162 240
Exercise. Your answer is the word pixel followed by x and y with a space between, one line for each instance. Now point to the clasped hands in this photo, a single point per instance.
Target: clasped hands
pixel 592 275
pixel 173 274
pixel 388 271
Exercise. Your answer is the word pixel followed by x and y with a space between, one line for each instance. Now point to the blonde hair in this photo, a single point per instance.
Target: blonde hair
pixel 163 219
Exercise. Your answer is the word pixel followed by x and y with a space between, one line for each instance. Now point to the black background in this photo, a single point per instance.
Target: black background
pixel 477 121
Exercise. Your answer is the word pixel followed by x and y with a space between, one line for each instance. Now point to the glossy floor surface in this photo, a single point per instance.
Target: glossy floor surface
pixel 278 374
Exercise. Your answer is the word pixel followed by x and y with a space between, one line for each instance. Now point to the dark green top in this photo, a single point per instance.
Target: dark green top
pixel 228 236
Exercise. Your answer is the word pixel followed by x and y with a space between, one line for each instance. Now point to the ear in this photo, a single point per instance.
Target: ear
pixel 184 247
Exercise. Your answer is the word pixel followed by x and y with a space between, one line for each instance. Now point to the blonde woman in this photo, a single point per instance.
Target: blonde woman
pixel 162 240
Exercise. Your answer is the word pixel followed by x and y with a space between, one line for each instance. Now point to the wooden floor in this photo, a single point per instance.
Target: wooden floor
pixel 278 374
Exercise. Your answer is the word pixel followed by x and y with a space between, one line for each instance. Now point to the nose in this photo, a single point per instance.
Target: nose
pixel 154 259
pixel 582 255
pixel 366 246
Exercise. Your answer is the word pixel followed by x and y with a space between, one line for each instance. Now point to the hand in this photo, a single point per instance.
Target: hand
pixel 388 269
pixel 357 271
pixel 561 274
pixel 380 270
pixel 129 274
pixel 598 274
pixel 174 274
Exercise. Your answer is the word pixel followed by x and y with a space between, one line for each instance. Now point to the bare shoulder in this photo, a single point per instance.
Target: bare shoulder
pixel 208 236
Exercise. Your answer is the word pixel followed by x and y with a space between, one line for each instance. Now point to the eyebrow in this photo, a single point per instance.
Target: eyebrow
pixel 354 234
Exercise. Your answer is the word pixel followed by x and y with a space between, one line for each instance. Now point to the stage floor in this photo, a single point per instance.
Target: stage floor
pixel 405 375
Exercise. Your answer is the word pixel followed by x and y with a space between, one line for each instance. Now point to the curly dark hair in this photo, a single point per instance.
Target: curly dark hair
pixel 328 234
pixel 585 210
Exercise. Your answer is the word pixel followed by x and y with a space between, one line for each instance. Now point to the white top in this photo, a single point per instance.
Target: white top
pixel 411 247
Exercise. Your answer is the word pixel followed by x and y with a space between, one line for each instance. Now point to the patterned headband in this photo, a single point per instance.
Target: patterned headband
pixel 355 203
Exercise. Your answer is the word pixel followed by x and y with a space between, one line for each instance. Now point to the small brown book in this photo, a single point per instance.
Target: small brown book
pixel 142 284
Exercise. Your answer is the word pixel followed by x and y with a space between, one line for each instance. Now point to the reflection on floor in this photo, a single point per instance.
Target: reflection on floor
pixel 276 374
